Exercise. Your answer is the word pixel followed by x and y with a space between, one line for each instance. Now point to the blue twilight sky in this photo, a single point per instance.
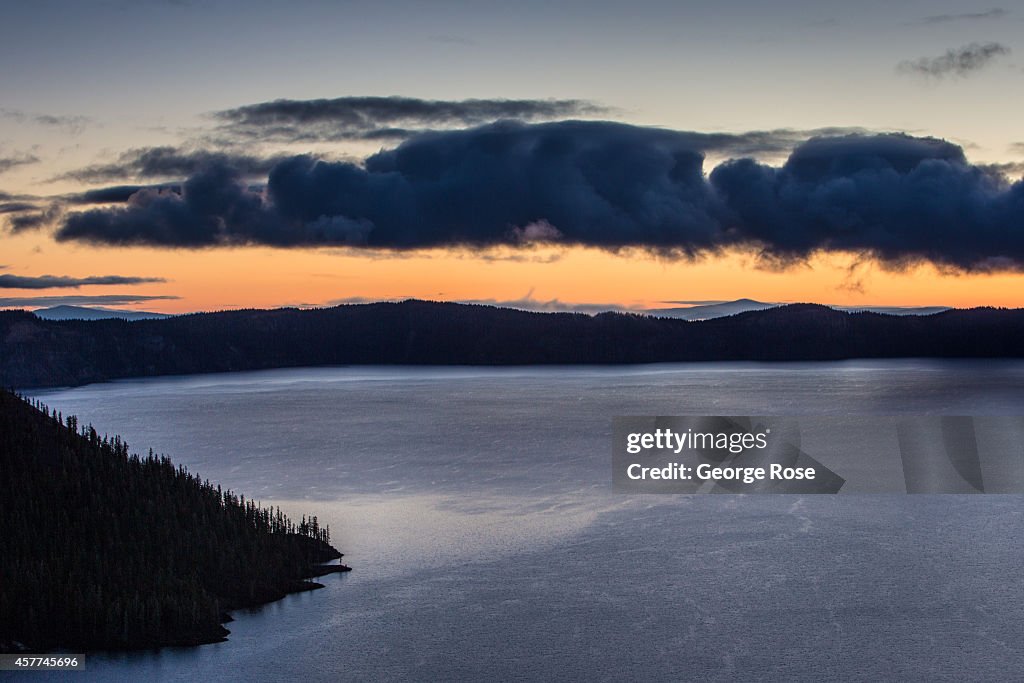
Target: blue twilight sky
pixel 146 72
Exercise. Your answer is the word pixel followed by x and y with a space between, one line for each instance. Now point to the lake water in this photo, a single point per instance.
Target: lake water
pixel 475 507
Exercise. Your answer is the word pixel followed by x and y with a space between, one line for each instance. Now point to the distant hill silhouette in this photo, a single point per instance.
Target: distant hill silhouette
pixel 724 308
pixel 708 311
pixel 93 313
pixel 35 353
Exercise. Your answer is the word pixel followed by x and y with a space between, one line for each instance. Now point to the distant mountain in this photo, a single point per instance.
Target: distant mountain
pixel 709 311
pixel 93 313
pixel 35 352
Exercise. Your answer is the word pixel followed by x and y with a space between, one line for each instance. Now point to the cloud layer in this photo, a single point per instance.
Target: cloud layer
pixel 606 185
pixel 63 281
pixel 962 61
pixel 375 118
pixel 895 197
pixel 168 162
pixel 994 13
pixel 9 162
pixel 69 124
pixel 80 300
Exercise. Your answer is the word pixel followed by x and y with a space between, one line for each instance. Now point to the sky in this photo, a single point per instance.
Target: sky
pixel 202 155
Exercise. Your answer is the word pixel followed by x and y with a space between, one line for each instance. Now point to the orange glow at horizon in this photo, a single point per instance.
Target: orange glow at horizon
pixel 263 277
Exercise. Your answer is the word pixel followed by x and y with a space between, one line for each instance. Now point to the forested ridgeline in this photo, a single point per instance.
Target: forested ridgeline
pixel 35 352
pixel 100 548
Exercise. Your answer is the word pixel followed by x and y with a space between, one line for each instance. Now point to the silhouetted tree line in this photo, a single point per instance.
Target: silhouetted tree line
pixel 36 352
pixel 102 548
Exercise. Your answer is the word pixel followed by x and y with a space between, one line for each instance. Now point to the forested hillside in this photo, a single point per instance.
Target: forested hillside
pixel 100 548
pixel 36 352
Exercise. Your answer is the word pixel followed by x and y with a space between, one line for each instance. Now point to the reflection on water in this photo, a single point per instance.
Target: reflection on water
pixel 475 507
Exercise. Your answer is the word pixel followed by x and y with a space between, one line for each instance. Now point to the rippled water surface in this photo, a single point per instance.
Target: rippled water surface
pixel 475 506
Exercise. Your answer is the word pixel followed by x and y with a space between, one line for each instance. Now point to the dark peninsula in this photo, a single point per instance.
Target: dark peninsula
pixel 103 549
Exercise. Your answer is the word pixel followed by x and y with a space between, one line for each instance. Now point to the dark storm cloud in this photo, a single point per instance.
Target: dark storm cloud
pixel 35 218
pixel 374 118
pixel 117 194
pixel 962 61
pixel 1014 169
pixel 80 300
pixel 994 13
pixel 606 185
pixel 169 162
pixel 63 281
pixel 214 207
pixel 599 183
pixel 42 212
pixel 899 198
pixel 27 221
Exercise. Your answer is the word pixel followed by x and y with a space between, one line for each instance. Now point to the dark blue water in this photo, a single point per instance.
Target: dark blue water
pixel 475 507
